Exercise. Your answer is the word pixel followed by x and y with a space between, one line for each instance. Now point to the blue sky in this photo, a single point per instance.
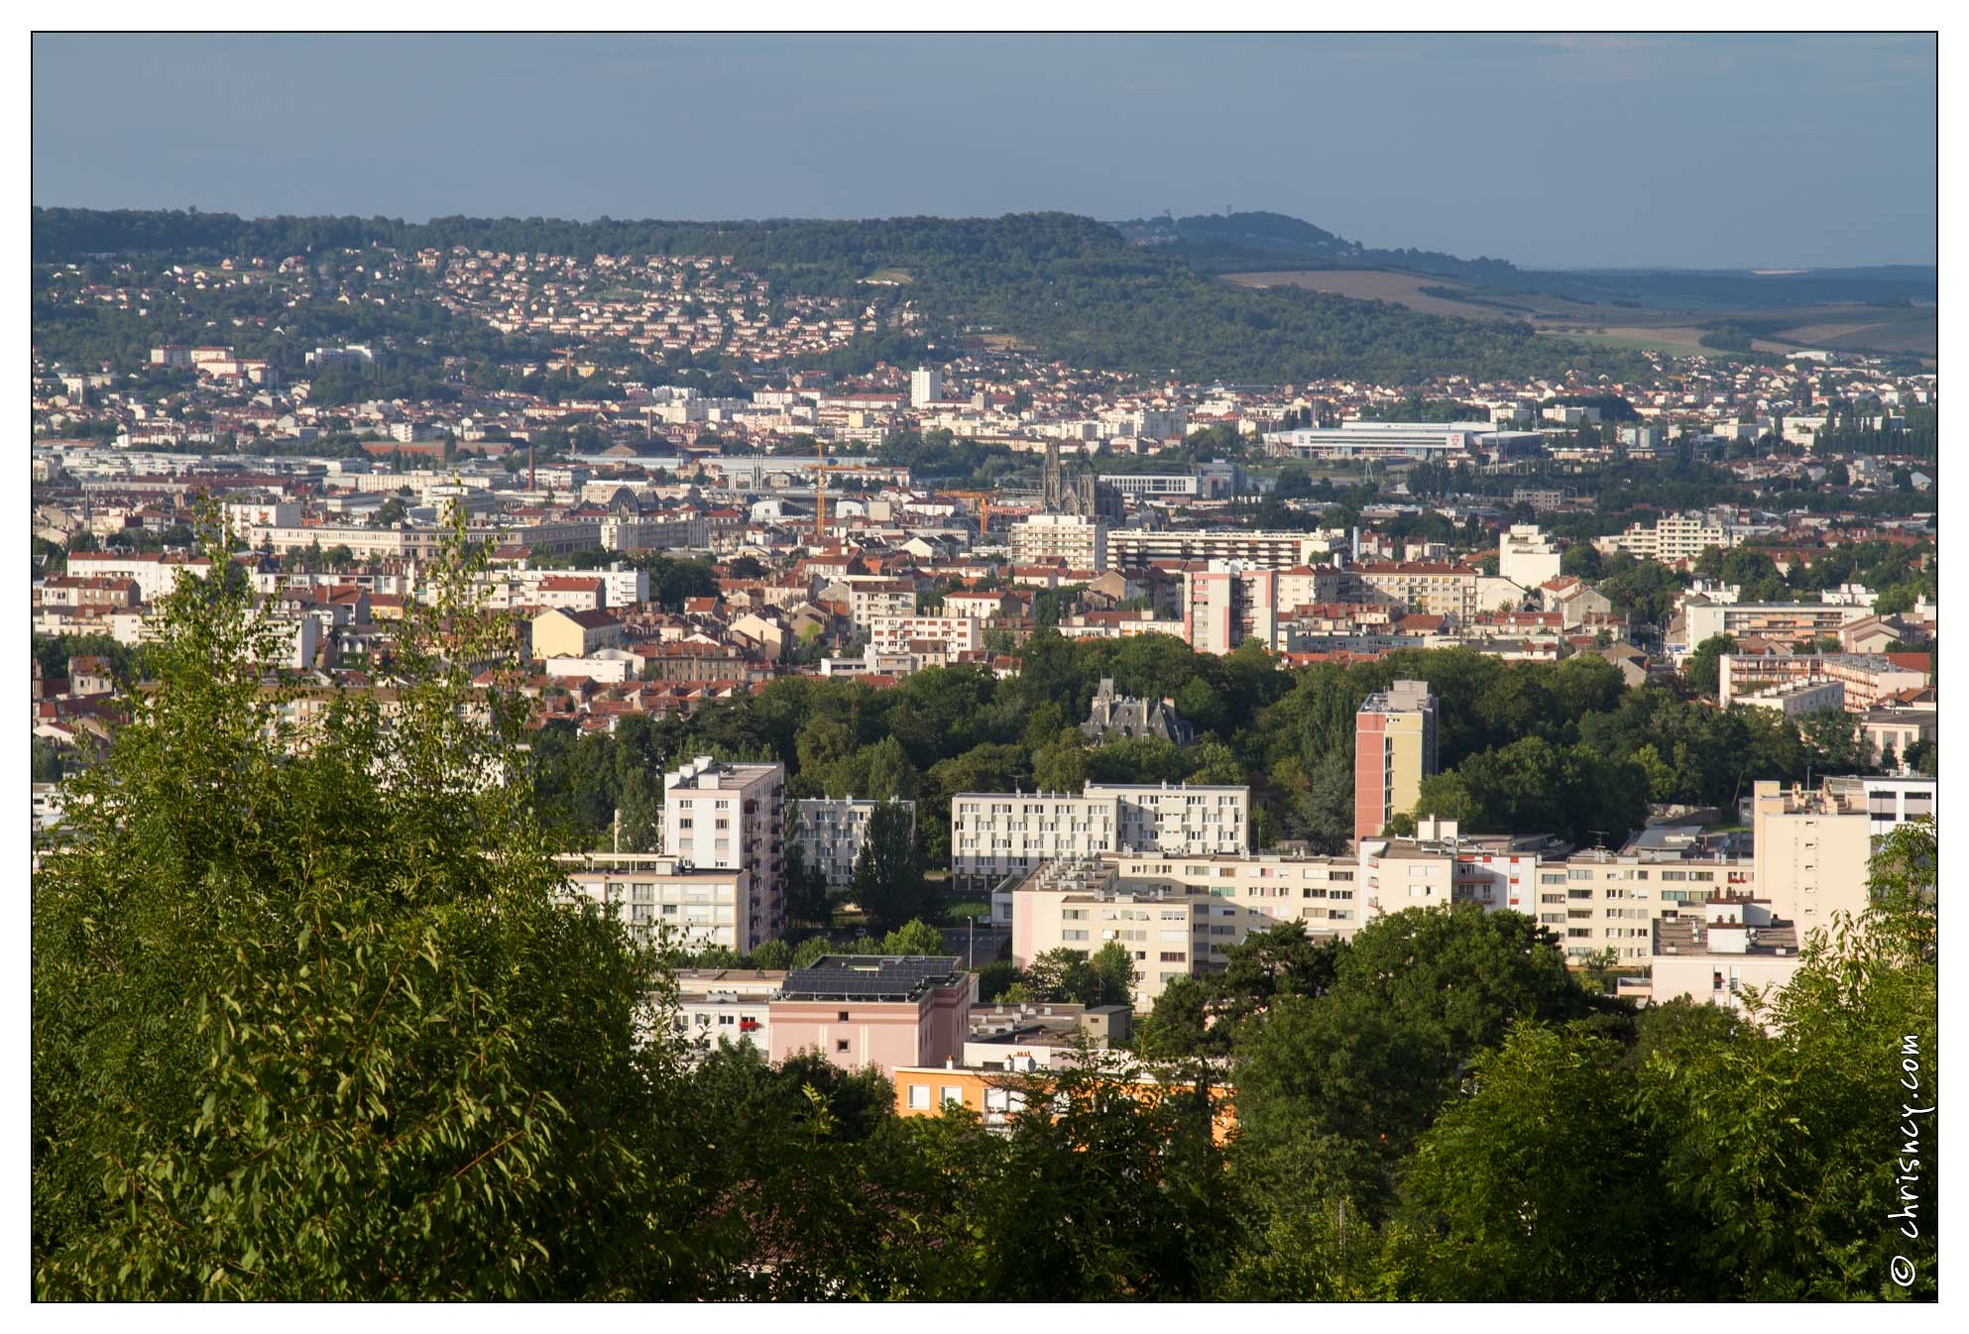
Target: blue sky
pixel 1582 151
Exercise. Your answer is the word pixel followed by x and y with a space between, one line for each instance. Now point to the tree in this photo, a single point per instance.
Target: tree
pixel 312 1022
pixel 1540 1183
pixel 915 936
pixel 1703 670
pixel 888 881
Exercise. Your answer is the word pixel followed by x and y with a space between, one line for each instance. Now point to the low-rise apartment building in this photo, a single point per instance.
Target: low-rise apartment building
pixel 994 835
pixel 887 1011
pixel 655 893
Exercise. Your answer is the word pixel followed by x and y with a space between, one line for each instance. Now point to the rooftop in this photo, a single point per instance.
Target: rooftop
pixel 872 977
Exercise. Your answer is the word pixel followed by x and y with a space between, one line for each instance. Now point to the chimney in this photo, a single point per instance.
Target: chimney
pixel 950 1062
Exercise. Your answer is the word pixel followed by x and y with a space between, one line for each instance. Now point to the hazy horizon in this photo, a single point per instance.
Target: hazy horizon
pixel 1588 152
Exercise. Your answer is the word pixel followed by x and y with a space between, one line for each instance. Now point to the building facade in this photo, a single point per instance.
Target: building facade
pixel 1394 750
pixel 731 816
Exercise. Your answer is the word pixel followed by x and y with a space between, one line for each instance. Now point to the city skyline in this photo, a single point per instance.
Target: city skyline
pixel 1695 152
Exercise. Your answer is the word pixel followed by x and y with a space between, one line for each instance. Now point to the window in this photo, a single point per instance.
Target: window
pixel 1073 935
pixel 951 1094
pixel 919 1097
pixel 841 1045
pixel 841 1016
pixel 1173 956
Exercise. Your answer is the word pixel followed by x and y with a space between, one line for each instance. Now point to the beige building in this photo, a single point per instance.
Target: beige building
pixel 1394 750
pixel 1718 951
pixel 1176 916
pixel 1812 850
pixel 574 634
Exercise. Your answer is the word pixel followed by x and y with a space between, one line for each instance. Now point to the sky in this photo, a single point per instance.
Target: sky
pixel 1565 152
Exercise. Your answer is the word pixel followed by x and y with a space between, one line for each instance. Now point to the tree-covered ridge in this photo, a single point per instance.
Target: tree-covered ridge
pixel 1065 285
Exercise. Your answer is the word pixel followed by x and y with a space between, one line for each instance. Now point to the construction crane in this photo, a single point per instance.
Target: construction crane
pixel 983 499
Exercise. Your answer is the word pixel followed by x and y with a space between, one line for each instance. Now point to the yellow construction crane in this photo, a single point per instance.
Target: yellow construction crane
pixel 983 499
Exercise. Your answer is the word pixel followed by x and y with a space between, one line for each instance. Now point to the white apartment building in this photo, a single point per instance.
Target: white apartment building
pixel 925 386
pixel 831 830
pixel 953 634
pixel 1077 539
pixel 1169 929
pixel 731 816
pixel 699 906
pixel 154 574
pixel 1795 699
pixel 1672 538
pixel 1526 555
pixel 725 1005
pixel 1789 622
pixel 1716 952
pixel 655 534
pixel 878 600
pixel 1137 548
pixel 997 834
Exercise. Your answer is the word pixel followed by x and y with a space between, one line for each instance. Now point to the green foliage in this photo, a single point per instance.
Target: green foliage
pixel 313 1024
pixel 1703 670
pixel 888 883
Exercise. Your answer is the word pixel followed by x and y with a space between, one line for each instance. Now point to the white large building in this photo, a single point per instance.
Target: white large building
pixel 655 893
pixel 1526 555
pixel 1673 537
pixel 1436 441
pixel 1138 548
pixel 925 386
pixel 731 816
pixel 1078 540
pixel 997 834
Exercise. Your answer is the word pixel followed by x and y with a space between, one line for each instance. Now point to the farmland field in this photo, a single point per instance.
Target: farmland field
pixel 1851 328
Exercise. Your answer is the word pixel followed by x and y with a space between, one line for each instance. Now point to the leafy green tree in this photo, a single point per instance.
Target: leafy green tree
pixel 1539 1183
pixel 1703 670
pixel 312 1022
pixel 915 936
pixel 888 881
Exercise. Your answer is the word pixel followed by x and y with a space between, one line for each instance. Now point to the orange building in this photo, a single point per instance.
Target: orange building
pixel 925 1090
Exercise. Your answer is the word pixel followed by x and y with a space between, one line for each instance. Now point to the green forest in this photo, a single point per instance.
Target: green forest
pixel 1067 286
pixel 311 1023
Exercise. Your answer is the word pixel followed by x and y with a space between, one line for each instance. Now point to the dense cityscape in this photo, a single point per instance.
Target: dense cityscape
pixel 572 761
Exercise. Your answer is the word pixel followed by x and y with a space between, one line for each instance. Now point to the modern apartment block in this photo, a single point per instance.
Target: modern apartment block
pixel 1672 538
pixel 830 831
pixel 1526 555
pixel 994 835
pixel 1078 540
pixel 726 816
pixel 1812 850
pixel 1716 951
pixel 1394 750
pixel 725 1005
pixel 1867 678
pixel 1138 548
pixel 1083 904
pixel 1225 604
pixel 652 892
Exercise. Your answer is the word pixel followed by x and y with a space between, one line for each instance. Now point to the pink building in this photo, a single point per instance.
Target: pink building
pixel 874 1009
